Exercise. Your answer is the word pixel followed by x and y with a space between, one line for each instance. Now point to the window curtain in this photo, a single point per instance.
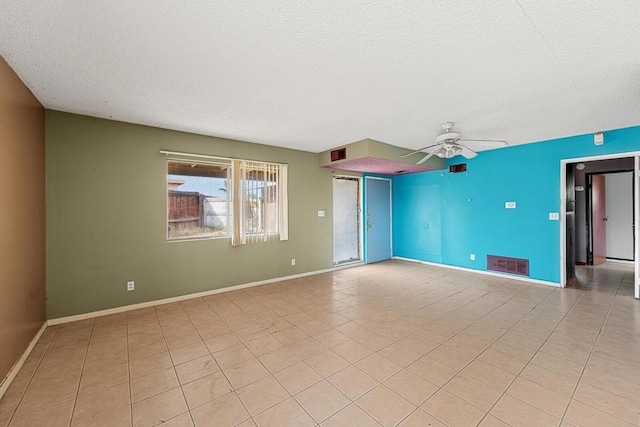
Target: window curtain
pixel 260 202
pixel 283 203
pixel 238 236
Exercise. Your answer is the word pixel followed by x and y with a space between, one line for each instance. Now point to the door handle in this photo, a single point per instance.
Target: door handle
pixel 606 218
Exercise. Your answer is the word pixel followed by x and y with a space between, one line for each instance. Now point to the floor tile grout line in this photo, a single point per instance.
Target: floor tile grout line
pixel 446 314
pixel 426 325
pixel 330 415
pixel 175 371
pixel 323 377
pixel 172 362
pixel 233 389
pixel 593 346
pixel 487 348
pixel 485 315
pixel 318 315
pixel 126 321
pixel 13 415
pixel 533 355
pixel 489 313
pixel 180 385
pixel 591 354
pixel 380 421
pixel 75 401
pixel 584 366
pixel 271 374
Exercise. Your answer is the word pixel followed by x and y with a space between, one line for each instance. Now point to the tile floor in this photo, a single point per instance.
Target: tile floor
pixel 393 343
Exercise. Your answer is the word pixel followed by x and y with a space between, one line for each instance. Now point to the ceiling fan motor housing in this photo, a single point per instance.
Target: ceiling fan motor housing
pixel 448 137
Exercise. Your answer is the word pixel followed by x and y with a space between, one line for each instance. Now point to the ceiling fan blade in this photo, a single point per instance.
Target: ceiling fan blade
pixel 467 152
pixel 484 144
pixel 427 157
pixel 417 151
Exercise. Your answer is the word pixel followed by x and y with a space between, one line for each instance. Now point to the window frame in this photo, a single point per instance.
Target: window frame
pixel 166 223
pixel 187 158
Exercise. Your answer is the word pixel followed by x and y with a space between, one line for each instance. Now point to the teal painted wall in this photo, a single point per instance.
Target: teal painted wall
pixel 443 218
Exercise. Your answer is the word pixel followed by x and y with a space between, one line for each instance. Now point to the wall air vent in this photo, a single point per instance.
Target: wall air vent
pixel 460 167
pixel 339 154
pixel 508 265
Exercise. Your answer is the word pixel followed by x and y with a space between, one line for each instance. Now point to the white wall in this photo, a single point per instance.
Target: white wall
pixel 619 200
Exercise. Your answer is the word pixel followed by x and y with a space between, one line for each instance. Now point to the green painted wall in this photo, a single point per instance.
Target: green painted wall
pixel 106 217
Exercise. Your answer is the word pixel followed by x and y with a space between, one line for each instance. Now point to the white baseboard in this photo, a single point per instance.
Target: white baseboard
pixel 488 273
pixel 6 382
pixel 124 308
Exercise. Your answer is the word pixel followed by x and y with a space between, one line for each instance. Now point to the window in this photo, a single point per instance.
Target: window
pixel 218 198
pixel 259 202
pixel 198 200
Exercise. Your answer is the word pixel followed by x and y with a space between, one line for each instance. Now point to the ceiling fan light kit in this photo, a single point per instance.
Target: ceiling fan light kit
pixel 448 151
pixel 448 144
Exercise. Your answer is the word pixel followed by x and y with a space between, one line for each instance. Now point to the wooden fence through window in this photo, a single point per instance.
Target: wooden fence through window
pixel 186 209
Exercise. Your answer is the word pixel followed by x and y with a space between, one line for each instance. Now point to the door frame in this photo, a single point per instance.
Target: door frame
pixel 636 228
pixel 563 211
pixel 589 212
pixel 589 216
pixel 364 214
pixel 360 218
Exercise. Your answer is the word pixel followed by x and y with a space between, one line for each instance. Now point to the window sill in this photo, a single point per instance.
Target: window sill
pixel 197 239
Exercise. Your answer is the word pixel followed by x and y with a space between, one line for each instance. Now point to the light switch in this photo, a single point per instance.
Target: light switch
pixel 510 205
pixel 320 214
pixel 554 216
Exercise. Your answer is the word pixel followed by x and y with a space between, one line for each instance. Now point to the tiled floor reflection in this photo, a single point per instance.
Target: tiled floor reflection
pixel 393 343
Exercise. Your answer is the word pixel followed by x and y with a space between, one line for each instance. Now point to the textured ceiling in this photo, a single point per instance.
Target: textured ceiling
pixel 314 75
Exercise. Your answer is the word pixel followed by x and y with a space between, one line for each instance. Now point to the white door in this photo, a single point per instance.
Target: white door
pixel 346 220
pixel 619 216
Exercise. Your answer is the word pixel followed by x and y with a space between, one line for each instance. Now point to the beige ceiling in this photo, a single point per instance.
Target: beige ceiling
pixel 318 74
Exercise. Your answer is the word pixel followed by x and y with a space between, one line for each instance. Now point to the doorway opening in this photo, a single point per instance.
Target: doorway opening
pixel 597 230
pixel 347 228
pixel 610 212
pixel 599 210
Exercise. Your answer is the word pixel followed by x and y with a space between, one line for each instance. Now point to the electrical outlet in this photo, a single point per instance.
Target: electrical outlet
pixel 293 261
pixel 131 285
pixel 472 257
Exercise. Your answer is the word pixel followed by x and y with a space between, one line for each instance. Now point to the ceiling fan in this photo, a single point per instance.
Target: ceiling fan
pixel 448 144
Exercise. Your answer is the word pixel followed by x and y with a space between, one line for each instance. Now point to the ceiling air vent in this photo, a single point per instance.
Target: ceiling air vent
pixel 461 167
pixel 508 265
pixel 339 154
